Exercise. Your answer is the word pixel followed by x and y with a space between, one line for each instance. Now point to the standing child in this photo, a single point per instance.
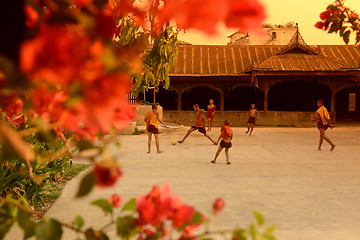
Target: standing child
pixel 225 136
pixel 151 120
pixel 199 124
pixel 210 113
pixel 323 119
pixel 253 115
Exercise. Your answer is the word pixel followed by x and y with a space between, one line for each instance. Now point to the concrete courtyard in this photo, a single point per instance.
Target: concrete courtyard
pixel 308 194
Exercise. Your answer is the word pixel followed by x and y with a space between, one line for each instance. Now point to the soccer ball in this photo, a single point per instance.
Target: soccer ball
pixel 173 142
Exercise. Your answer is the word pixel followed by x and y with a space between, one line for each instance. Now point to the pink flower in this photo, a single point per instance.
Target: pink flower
pixel 320 25
pixel 218 205
pixel 115 200
pixel 326 15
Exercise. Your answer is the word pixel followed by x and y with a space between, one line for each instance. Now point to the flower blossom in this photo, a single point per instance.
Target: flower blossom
pixel 159 206
pixel 218 206
pixel 115 200
pixel 106 173
pixel 326 15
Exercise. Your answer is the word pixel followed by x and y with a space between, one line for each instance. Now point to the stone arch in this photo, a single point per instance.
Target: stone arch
pixel 167 98
pixel 188 88
pixel 240 97
pixel 298 96
pixel 199 94
pixel 342 103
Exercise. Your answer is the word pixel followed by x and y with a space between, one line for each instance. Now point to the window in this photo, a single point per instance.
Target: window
pixel 273 35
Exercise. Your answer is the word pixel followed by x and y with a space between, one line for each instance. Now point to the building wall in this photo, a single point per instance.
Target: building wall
pixel 239 118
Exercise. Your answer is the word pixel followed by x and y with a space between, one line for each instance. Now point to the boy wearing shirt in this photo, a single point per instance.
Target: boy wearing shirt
pixel 151 120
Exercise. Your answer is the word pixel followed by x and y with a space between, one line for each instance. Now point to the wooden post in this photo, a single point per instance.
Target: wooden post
pixel 333 114
pixel 222 100
pixel 266 94
pixel 179 103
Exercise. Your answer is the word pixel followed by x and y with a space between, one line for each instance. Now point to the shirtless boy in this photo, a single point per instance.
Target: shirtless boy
pixel 225 136
pixel 199 124
pixel 253 115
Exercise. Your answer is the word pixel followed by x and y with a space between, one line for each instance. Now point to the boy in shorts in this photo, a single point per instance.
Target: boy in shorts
pixel 253 115
pixel 323 119
pixel 225 136
pixel 199 124
pixel 151 120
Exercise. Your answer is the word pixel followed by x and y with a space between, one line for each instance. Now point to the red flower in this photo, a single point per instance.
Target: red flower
pixel 32 16
pixel 115 200
pixel 244 14
pixel 105 25
pixel 354 15
pixel 326 15
pixel 320 25
pixel 106 173
pixel 158 206
pixel 218 205
pixel 12 106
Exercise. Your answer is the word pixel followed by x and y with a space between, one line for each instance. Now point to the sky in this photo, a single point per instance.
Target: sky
pixel 304 12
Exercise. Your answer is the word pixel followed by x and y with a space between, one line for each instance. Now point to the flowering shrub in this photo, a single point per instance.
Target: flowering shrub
pixel 337 18
pixel 70 66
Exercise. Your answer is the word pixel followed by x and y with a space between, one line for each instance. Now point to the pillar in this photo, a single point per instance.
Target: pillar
pixel 266 94
pixel 222 100
pixel 179 102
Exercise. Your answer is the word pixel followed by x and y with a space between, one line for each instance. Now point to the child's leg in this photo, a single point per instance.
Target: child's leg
pixel 252 128
pixel 217 154
pixel 227 155
pixel 206 135
pixel 157 143
pixel 187 134
pixel 323 136
pixel 211 120
pixel 149 141
pixel 248 125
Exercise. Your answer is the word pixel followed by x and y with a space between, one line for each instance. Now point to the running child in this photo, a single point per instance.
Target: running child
pixel 199 124
pixel 225 136
pixel 253 115
pixel 210 113
pixel 323 119
pixel 151 120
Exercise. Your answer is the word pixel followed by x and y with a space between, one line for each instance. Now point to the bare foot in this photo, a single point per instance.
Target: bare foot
pixel 247 131
pixel 180 141
pixel 160 151
pixel 148 151
pixel 319 149
pixel 213 161
pixel 228 162
pixel 332 147
pixel 215 143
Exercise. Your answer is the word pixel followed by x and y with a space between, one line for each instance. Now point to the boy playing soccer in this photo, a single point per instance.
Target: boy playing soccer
pixel 151 120
pixel 323 119
pixel 226 136
pixel 253 115
pixel 199 124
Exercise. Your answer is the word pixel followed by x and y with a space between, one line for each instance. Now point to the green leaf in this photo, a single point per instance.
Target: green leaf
pixel 334 27
pixel 90 234
pixel 239 234
pixel 87 183
pixel 6 220
pixel 130 205
pixel 84 145
pixel 78 222
pixel 125 227
pixel 346 36
pixel 48 229
pixel 26 224
pixel 104 204
pixel 271 229
pixel 259 218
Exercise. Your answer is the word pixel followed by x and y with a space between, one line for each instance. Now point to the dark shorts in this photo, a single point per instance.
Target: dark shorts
pixel 321 125
pixel 153 129
pixel 224 144
pixel 252 120
pixel 200 129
